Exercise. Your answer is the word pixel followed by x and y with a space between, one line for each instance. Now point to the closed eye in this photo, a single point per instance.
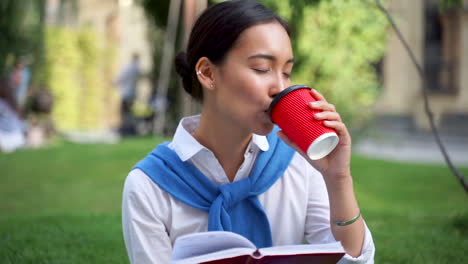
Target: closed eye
pixel 287 75
pixel 261 71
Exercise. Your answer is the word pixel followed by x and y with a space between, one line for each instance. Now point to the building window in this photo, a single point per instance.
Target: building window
pixel 442 48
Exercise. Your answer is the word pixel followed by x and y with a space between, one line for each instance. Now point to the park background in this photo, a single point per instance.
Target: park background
pixel 60 194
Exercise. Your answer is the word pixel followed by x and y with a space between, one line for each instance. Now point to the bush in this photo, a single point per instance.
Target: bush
pixel 76 72
pixel 335 44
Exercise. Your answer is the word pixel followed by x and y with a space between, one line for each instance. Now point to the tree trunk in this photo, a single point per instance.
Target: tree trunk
pixel 166 63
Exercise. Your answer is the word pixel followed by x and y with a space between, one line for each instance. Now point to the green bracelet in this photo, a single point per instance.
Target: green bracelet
pixel 350 221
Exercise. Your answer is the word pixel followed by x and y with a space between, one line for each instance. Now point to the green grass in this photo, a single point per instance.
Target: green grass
pixel 417 214
pixel 62 205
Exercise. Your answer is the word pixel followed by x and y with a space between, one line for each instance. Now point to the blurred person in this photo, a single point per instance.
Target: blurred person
pixel 19 80
pixel 230 168
pixel 11 126
pixel 127 81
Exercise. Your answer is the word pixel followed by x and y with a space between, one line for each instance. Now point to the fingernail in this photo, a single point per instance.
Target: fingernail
pixel 318 115
pixel 315 103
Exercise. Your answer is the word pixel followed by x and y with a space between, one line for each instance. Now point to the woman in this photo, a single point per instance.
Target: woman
pixel 226 169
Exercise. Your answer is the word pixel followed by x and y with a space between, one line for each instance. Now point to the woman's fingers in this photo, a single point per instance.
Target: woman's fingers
pixel 340 128
pixel 327 115
pixel 318 96
pixel 322 105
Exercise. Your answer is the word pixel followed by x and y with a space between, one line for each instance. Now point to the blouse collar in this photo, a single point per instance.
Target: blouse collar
pixel 186 146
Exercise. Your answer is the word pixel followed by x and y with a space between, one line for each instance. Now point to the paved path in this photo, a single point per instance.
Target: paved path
pixel 415 150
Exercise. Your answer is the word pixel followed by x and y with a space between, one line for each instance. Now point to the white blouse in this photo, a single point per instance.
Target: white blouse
pixel 296 204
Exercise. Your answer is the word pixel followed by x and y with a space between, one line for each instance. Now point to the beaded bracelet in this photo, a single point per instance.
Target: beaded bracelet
pixel 350 221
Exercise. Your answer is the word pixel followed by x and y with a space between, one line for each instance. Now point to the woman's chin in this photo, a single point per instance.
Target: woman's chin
pixel 264 129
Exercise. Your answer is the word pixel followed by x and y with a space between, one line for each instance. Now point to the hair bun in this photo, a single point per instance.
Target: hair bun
pixel 183 69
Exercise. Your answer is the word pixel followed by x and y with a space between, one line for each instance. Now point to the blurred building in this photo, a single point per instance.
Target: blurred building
pixel 439 41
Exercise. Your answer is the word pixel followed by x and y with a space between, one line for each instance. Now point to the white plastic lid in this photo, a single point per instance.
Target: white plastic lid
pixel 322 146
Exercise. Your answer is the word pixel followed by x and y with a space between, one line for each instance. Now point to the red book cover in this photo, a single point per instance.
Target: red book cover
pixel 221 247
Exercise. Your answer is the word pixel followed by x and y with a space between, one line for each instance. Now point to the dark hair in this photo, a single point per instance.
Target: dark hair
pixel 215 32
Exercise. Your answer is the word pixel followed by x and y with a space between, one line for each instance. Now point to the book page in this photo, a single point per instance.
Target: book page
pixel 208 242
pixel 303 249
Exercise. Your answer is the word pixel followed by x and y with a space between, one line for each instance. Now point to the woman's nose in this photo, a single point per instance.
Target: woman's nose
pixel 278 87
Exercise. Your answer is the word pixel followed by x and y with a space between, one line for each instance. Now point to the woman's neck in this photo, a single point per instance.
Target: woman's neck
pixel 227 141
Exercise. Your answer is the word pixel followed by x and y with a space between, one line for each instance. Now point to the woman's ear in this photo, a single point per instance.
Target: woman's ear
pixel 205 73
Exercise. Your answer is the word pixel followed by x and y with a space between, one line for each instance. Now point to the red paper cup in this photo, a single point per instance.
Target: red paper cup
pixel 291 112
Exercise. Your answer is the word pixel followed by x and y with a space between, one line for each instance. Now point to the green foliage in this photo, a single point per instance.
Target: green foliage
pixel 92 88
pixel 335 43
pixel 62 61
pixel 73 71
pixel 342 39
pixel 157 11
pixel 111 97
pixel 21 23
pixel 443 4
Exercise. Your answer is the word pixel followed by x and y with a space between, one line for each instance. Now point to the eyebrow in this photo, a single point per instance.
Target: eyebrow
pixel 268 57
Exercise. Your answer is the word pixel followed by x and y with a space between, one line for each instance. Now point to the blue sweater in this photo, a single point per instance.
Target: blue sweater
pixel 232 206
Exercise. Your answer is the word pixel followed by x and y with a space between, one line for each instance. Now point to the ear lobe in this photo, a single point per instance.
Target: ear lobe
pixel 205 73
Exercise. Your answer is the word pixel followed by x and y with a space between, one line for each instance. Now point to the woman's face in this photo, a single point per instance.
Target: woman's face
pixel 253 72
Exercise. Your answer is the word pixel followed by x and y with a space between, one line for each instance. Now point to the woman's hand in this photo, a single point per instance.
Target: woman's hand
pixel 336 165
pixel 335 169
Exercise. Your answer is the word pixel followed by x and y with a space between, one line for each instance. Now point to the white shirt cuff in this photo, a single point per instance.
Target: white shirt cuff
pixel 367 253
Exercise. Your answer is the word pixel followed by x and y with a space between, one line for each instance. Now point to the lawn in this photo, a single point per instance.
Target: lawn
pixel 61 204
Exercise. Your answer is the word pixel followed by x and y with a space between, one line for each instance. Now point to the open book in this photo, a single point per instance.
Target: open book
pixel 218 247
